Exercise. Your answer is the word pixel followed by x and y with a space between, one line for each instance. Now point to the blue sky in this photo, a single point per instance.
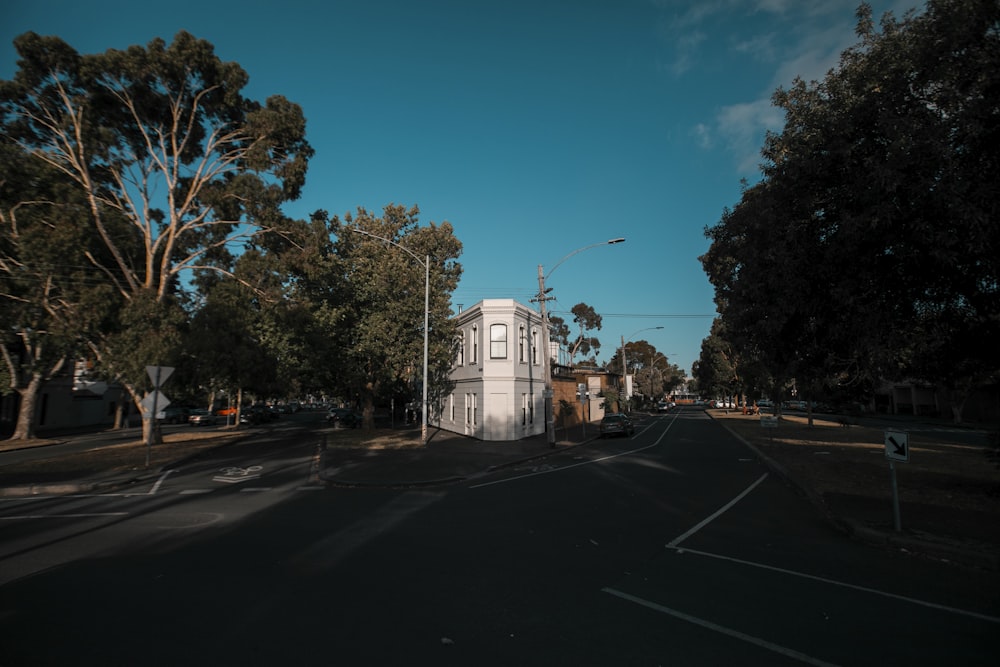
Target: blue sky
pixel 535 128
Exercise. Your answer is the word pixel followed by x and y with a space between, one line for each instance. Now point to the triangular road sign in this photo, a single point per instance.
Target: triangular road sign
pixel 159 374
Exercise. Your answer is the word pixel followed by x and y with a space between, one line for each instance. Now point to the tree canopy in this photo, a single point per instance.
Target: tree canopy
pixel 169 168
pixel 586 319
pixel 383 262
pixel 869 248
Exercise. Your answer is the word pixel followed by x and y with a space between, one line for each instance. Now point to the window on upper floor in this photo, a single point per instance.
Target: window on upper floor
pixel 461 349
pixel 475 345
pixel 498 341
pixel 522 344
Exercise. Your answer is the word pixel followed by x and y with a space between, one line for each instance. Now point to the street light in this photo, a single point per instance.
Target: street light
pixel 426 263
pixel 624 364
pixel 547 366
pixel 659 356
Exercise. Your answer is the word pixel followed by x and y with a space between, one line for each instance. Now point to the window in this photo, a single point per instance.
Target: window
pixel 522 343
pixel 470 410
pixel 534 347
pixel 461 349
pixel 498 341
pixel 524 409
pixel 451 406
pixel 475 345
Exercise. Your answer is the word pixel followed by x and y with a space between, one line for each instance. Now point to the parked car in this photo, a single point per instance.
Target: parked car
pixel 255 414
pixel 248 418
pixel 664 406
pixel 344 417
pixel 616 424
pixel 201 417
pixel 174 415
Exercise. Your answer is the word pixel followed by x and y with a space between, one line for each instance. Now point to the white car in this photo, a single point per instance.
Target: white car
pixel 201 418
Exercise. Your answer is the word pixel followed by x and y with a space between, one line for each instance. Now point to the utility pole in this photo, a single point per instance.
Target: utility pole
pixel 547 394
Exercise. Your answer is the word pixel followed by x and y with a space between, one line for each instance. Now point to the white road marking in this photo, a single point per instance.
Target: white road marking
pixel 62 516
pixel 550 470
pixel 736 634
pixel 191 492
pixel 842 584
pixel 713 517
pixel 156 487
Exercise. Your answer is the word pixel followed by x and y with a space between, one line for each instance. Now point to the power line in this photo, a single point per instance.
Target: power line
pixel 646 315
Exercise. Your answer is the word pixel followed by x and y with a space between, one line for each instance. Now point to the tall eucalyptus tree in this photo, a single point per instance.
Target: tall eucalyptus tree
pixel 173 165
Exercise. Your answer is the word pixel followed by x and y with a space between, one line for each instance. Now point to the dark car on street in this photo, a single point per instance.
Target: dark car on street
pixel 617 424
pixel 343 418
pixel 174 415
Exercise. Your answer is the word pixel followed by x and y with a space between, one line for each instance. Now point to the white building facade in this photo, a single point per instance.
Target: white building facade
pixel 498 373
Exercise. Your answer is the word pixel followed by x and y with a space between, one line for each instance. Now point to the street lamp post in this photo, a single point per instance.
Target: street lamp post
pixel 659 356
pixel 624 364
pixel 546 363
pixel 426 263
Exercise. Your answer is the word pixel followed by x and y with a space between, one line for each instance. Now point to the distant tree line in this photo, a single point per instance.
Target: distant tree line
pixel 869 249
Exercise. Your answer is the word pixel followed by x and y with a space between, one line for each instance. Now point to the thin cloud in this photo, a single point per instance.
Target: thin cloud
pixel 742 127
pixel 797 38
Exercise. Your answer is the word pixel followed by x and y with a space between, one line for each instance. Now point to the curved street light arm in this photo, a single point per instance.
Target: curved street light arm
pixel 546 363
pixel 391 242
pixel 624 361
pixel 588 247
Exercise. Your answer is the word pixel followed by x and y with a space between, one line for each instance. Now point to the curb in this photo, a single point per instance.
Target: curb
pixel 939 550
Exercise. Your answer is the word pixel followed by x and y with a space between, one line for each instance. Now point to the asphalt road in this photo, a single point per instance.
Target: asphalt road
pixel 673 547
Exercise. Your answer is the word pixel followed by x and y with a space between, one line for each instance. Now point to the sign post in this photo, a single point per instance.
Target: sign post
pixel 770 422
pixel 897 448
pixel 154 401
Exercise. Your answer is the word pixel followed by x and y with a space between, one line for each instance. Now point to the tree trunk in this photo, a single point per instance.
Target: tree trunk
pixel 368 408
pixel 958 405
pixel 25 429
pixel 239 409
pixel 149 431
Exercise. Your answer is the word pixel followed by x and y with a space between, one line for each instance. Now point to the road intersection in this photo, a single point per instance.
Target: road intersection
pixel 670 547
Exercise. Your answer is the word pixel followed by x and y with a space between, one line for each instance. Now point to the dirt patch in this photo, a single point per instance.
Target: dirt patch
pixel 131 456
pixel 110 459
pixel 947 488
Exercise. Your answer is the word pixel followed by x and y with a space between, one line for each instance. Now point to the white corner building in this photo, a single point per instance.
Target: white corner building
pixel 498 373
